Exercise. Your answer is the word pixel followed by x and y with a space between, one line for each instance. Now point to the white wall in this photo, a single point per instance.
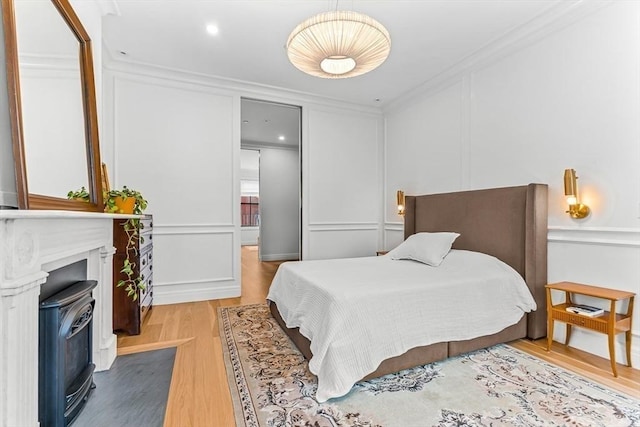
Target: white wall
pixel 177 144
pixel 424 152
pixel 279 204
pixel 570 99
pixel 342 196
pixel 176 137
pixel 249 236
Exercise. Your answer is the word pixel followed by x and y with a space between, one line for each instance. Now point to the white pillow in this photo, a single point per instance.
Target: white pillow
pixel 428 248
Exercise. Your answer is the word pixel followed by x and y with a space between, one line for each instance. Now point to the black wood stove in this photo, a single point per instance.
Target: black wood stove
pixel 65 345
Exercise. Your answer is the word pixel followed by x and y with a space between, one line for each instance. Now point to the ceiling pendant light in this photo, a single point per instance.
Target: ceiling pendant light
pixel 338 44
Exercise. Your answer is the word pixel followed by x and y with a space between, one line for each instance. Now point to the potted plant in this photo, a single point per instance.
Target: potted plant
pixel 128 201
pixel 125 201
pixel 82 194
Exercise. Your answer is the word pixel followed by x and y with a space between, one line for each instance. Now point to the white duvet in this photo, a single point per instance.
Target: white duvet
pixel 358 312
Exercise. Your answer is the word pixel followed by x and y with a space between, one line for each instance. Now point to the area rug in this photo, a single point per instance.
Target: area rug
pixel 271 386
pixel 133 392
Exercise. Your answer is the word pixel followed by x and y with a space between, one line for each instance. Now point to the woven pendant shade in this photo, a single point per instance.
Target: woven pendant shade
pixel 338 44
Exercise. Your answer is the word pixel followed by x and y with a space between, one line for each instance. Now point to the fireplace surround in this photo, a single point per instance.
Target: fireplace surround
pixel 32 244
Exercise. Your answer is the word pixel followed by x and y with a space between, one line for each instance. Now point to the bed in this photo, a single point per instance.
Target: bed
pixel 501 226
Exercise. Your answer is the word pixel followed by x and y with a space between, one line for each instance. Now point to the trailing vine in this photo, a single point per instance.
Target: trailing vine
pixel 133 282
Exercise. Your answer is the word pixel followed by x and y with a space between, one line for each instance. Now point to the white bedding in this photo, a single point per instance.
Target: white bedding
pixel 358 312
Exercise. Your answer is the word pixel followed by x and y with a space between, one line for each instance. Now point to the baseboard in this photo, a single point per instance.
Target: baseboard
pixel 280 257
pixel 8 200
pixel 596 343
pixel 179 293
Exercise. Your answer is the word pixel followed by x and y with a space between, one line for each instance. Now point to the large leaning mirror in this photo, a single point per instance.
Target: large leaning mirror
pixel 52 104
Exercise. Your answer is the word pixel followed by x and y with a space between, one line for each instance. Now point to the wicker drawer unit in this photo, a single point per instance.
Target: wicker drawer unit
pixel 610 322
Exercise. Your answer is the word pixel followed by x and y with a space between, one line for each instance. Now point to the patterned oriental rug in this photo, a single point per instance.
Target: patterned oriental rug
pixel 271 386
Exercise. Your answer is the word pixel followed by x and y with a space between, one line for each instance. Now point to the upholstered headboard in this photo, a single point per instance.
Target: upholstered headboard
pixel 509 223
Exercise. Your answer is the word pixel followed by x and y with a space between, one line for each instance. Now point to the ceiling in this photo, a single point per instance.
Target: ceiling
pixel 427 38
pixel 269 124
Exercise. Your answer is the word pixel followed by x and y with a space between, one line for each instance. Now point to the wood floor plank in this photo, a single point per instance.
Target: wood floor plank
pixel 199 394
pixel 585 364
pixel 205 380
pixel 180 403
pixel 151 346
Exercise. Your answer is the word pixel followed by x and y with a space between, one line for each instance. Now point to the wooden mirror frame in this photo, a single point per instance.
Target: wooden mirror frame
pixel 27 200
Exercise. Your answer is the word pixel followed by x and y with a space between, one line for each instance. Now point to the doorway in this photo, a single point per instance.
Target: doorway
pixel 270 151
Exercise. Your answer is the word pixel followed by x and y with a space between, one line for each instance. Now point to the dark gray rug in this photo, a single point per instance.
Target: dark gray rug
pixel 133 392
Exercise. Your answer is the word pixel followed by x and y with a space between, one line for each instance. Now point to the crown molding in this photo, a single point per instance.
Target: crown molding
pixel 243 88
pixel 561 15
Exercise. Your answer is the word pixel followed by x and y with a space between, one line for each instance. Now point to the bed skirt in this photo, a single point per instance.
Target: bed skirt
pixel 418 355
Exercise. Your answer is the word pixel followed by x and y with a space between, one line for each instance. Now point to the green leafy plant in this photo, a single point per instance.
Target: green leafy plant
pixel 110 201
pixel 81 194
pixel 132 281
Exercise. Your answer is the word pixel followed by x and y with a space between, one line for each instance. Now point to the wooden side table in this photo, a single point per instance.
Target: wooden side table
pixel 610 323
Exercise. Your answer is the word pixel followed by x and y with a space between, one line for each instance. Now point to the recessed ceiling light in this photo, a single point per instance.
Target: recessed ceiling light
pixel 212 29
pixel 281 137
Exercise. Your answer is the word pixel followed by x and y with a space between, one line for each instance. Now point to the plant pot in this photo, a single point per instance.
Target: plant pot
pixel 125 205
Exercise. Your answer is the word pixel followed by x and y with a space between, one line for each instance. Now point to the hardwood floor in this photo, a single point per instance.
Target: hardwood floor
pixel 199 395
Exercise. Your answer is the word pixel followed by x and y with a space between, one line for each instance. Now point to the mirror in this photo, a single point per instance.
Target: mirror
pixel 52 104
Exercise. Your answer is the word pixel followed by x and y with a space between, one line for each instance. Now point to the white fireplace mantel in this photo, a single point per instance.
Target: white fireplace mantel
pixel 32 244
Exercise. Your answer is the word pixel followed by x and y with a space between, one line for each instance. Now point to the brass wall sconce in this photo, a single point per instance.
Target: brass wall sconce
pixel 576 209
pixel 400 202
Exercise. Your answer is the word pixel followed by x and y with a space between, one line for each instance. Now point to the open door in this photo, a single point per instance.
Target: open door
pixel 273 130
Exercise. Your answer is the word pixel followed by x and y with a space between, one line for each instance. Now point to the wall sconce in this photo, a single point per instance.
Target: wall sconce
pixel 576 209
pixel 400 202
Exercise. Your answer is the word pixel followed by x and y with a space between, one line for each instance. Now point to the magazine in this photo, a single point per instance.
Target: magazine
pixel 585 310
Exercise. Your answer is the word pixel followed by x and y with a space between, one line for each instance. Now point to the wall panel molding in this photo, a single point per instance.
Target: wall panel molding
pixel 604 236
pixel 208 263
pixel 118 79
pixel 183 229
pixel 194 290
pixel 342 226
pixel 343 241
pixel 394 226
pixel 608 236
pixel 194 282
